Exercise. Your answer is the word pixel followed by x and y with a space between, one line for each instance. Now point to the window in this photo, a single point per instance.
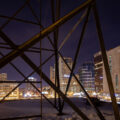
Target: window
pixel 110 63
pixel 116 81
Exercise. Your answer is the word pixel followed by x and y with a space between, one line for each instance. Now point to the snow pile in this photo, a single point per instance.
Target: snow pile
pixel 32 107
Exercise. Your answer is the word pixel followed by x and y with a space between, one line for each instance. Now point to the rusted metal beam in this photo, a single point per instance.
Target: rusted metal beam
pixel 106 65
pixel 34 67
pixel 43 33
pixel 77 51
pixel 24 78
pixel 33 48
pixel 73 29
pixel 30 50
pixel 87 95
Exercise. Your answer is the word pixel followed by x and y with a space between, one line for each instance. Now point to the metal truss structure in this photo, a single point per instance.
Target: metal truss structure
pixel 19 51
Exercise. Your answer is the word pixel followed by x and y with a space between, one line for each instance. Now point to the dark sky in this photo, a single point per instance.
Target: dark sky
pixel 20 32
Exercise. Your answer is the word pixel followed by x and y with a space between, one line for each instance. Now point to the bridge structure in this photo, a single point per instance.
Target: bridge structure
pixel 28 46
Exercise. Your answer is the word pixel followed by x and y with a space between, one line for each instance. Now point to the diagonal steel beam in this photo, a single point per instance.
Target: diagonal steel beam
pixel 73 29
pixel 30 50
pixel 78 48
pixel 106 65
pixel 38 71
pixel 33 12
pixel 18 11
pixel 24 81
pixel 24 78
pixel 77 51
pixel 18 20
pixel 41 35
pixel 87 95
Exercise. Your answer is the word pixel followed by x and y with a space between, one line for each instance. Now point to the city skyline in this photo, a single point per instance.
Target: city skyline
pixel 35 34
pixel 108 19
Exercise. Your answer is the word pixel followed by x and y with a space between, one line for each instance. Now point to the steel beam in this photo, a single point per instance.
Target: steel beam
pixel 30 50
pixel 106 65
pixel 43 33
pixel 19 20
pixel 56 32
pixel 87 95
pixel 18 11
pixel 72 30
pixel 77 51
pixel 34 67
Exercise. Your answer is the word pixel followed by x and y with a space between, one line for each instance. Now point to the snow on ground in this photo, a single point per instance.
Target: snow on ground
pixel 32 107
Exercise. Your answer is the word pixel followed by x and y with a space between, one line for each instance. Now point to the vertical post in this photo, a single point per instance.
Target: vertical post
pixel 56 53
pixel 106 65
pixel 40 62
pixel 53 20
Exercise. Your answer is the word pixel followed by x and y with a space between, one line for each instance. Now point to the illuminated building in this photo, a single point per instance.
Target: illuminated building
pixel 86 73
pixel 114 65
pixel 29 87
pixel 3 76
pixel 98 64
pixel 52 74
pixel 64 74
pixel 7 87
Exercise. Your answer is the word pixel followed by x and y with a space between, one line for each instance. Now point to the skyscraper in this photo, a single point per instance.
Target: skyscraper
pixel 114 65
pixel 98 64
pixel 64 74
pixel 86 73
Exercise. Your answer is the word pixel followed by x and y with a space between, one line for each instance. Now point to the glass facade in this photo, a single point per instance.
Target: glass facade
pixel 86 74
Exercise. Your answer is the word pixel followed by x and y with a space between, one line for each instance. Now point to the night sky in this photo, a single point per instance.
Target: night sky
pixel 20 32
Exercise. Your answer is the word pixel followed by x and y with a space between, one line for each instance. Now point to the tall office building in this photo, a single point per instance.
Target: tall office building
pixel 114 65
pixel 64 71
pixel 86 73
pixel 64 74
pixel 98 64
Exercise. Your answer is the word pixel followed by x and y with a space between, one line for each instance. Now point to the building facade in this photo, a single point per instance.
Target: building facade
pixel 3 77
pixel 29 87
pixel 64 74
pixel 5 88
pixel 86 73
pixel 101 84
pixel 98 67
pixel 114 65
